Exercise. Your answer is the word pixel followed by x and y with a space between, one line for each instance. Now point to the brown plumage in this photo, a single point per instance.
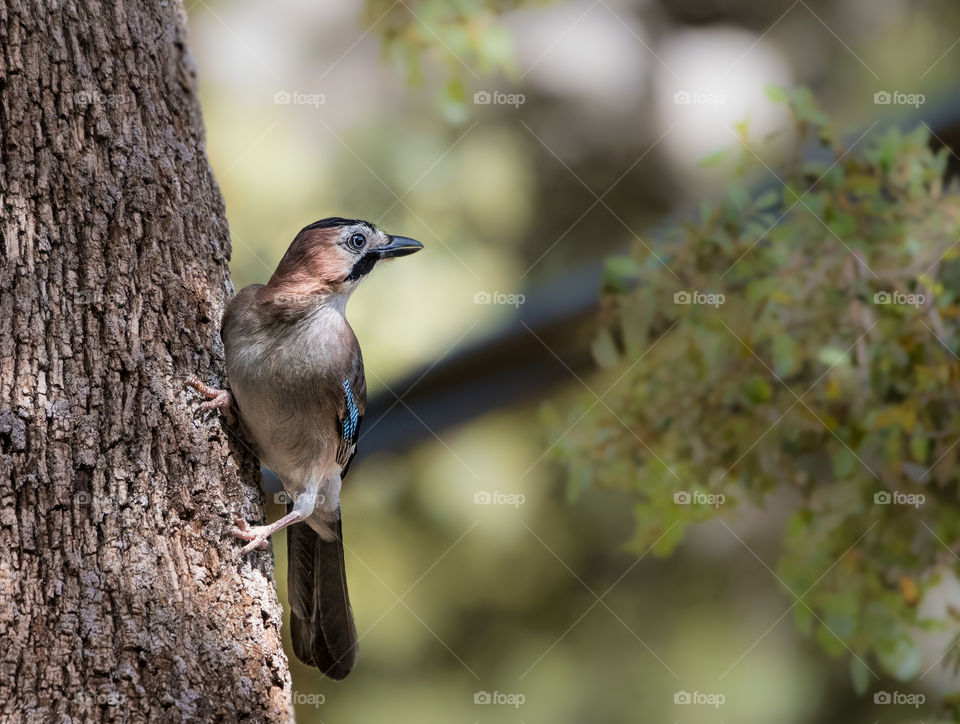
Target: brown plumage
pixel 297 383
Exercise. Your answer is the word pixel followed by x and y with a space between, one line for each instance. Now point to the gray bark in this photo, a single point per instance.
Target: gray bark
pixel 121 593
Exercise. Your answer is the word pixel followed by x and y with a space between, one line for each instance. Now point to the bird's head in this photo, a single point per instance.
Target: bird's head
pixel 332 256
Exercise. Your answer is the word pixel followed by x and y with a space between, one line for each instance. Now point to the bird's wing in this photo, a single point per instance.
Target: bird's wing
pixel 350 413
pixel 324 633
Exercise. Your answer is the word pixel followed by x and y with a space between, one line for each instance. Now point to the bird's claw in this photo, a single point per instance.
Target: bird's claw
pixel 216 399
pixel 257 535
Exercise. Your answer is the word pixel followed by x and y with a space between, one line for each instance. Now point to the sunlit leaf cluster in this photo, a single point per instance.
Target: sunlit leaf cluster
pixel 454 41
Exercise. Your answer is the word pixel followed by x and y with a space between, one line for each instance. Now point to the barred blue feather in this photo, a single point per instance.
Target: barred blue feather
pixel 352 418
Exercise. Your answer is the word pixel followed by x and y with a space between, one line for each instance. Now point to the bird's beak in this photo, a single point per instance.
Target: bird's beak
pixel 399 246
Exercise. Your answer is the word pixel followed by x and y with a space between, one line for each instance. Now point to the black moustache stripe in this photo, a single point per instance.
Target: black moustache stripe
pixel 362 267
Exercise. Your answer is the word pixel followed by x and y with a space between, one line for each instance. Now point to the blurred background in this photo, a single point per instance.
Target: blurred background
pixel 523 144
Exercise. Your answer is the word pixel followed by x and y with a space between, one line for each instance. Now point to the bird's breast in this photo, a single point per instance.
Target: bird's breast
pixel 288 383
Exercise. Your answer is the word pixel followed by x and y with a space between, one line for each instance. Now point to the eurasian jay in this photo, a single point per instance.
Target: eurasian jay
pixel 297 385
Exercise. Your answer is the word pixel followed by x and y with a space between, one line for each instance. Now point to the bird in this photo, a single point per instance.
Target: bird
pixel 296 384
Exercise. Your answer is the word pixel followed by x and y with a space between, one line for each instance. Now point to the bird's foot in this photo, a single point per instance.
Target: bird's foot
pixel 258 535
pixel 216 399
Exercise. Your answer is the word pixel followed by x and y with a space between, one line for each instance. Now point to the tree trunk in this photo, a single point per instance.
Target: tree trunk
pixel 121 592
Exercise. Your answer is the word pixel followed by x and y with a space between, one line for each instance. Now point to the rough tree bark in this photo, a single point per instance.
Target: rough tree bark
pixel 121 594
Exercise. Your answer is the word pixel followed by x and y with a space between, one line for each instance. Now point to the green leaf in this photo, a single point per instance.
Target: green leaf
pixel 496 47
pixel 715 158
pixel 635 324
pixel 452 100
pixel 805 106
pixel 618 273
pixel 843 225
pixel 776 93
pixel 758 390
pixel 803 619
pixel 784 355
pixel 860 675
pixel 833 357
pixel 844 463
pixel 840 613
pixel 739 197
pixel 605 349
pixel 899 657
pixel 830 643
pixel 919 447
pixel 581 478
pixel 767 199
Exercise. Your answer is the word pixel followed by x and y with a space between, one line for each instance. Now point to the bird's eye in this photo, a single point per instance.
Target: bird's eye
pixel 357 241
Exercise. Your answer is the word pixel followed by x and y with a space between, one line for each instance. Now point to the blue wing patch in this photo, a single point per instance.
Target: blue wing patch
pixel 352 419
pixel 349 422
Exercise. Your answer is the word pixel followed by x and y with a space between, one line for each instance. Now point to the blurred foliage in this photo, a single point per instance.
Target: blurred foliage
pixel 828 367
pixel 461 36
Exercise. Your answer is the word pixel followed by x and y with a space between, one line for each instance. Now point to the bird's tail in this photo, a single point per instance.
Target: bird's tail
pixel 322 627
